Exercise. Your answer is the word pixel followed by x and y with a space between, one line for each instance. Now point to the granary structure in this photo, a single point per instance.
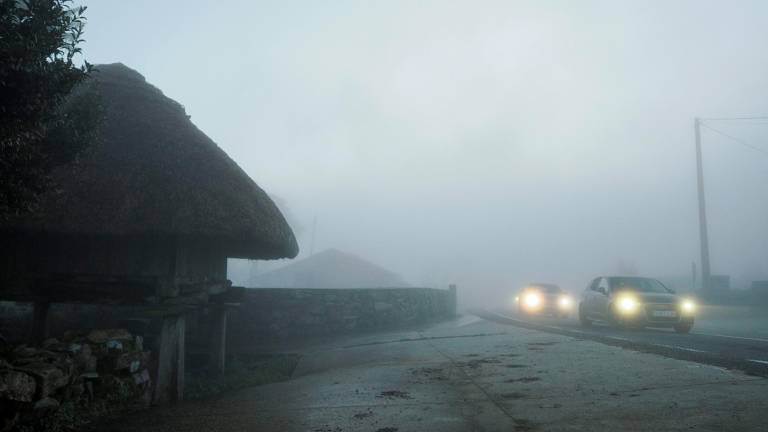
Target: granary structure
pixel 147 216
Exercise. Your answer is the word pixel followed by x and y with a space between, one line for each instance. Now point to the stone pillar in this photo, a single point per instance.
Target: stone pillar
pixel 218 340
pixel 169 377
pixel 453 300
pixel 40 322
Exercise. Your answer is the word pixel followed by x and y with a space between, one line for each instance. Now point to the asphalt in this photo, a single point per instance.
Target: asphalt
pixel 729 337
pixel 472 374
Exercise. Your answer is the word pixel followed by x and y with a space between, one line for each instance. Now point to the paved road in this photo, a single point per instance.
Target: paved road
pixel 474 375
pixel 726 337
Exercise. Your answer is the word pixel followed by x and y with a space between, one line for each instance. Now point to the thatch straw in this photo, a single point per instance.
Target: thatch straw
pixel 154 173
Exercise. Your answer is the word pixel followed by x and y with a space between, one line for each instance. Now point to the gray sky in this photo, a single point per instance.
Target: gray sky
pixel 486 143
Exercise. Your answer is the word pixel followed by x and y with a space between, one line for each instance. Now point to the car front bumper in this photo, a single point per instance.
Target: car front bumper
pixel 656 315
pixel 550 306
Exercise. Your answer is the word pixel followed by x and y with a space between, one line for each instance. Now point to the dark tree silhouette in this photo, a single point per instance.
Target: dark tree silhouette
pixel 44 121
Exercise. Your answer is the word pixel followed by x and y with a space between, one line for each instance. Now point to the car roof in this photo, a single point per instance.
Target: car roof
pixel 546 286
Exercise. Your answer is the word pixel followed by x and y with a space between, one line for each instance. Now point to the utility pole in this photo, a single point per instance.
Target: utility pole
pixel 694 274
pixel 703 234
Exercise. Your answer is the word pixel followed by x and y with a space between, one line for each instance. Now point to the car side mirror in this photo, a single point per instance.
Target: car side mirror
pixel 671 291
pixel 602 291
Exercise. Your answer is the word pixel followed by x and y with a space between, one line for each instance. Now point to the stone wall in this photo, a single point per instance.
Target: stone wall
pixel 278 314
pixel 82 375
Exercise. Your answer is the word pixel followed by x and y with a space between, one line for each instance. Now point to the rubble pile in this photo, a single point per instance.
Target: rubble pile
pixel 80 370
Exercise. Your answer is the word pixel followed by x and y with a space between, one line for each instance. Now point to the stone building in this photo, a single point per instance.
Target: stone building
pixel 147 216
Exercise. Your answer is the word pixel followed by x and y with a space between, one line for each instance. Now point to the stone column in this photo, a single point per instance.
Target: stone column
pixel 218 340
pixel 169 377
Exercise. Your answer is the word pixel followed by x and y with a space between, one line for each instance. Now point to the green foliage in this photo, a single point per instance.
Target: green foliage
pixel 42 124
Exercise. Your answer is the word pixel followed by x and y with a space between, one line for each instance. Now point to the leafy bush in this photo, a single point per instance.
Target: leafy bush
pixel 43 125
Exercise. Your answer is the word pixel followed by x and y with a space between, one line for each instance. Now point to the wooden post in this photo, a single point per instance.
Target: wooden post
pixel 40 322
pixel 169 385
pixel 218 341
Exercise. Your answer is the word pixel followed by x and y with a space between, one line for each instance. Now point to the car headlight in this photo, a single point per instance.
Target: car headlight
pixel 688 306
pixel 627 304
pixel 565 302
pixel 532 300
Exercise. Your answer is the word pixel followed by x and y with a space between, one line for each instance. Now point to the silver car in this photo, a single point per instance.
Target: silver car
pixel 636 302
pixel 544 299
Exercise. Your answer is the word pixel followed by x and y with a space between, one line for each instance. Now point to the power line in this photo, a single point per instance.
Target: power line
pixel 748 123
pixel 736 118
pixel 738 140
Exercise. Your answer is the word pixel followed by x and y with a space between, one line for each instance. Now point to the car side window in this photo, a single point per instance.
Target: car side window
pixel 604 285
pixel 593 286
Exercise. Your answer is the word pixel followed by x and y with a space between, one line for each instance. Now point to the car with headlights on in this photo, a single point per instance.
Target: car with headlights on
pixel 635 302
pixel 544 299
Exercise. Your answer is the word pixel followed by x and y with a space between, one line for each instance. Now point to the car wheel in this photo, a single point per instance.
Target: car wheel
pixel 683 328
pixel 586 322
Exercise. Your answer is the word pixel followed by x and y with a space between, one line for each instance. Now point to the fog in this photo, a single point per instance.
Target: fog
pixel 480 143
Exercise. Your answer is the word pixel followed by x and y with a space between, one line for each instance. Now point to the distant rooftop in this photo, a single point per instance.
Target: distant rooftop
pixel 331 269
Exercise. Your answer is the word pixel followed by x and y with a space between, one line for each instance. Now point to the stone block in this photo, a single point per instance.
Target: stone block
pixel 132 361
pixel 17 386
pixel 102 336
pixel 24 351
pixel 114 345
pixel 48 377
pixel 142 378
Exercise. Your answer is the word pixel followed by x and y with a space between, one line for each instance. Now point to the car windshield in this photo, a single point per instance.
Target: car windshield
pixel 547 288
pixel 638 284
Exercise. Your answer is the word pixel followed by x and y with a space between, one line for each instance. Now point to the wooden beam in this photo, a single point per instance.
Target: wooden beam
pixel 187 286
pixel 117 290
pixel 87 288
pixel 234 294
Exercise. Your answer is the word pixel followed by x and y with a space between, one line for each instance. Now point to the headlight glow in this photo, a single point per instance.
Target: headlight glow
pixel 532 300
pixel 627 304
pixel 688 306
pixel 565 302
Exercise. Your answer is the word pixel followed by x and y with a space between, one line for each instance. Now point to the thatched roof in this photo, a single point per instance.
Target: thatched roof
pixel 330 268
pixel 154 173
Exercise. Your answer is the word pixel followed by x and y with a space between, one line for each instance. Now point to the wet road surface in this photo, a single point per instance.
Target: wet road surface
pixel 733 342
pixel 472 374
